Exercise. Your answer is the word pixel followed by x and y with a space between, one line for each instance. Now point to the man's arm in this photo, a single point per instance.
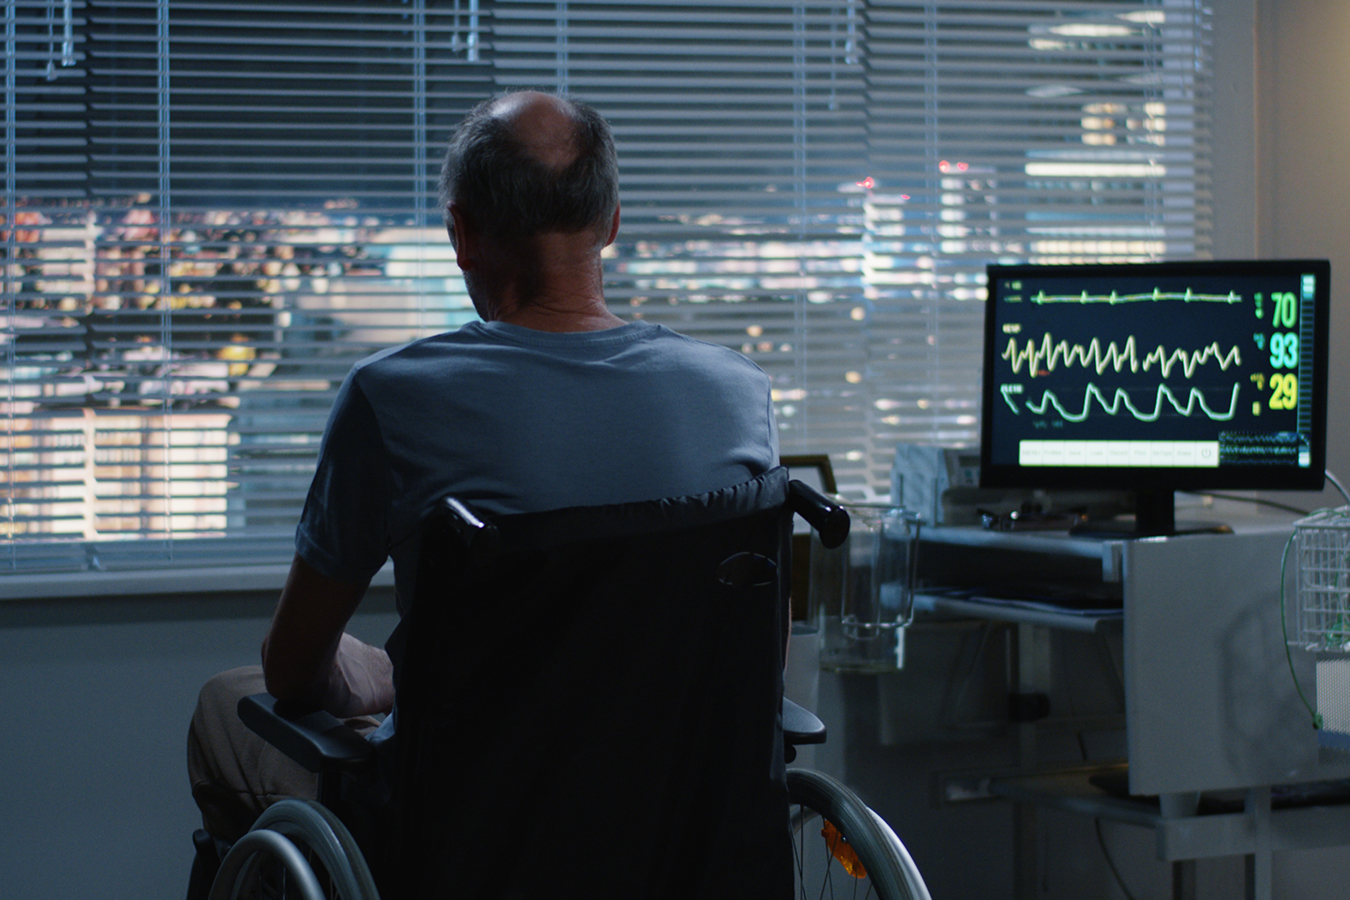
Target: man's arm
pixel 308 657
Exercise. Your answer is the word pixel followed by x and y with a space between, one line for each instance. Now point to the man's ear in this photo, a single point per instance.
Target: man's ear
pixel 613 227
pixel 464 237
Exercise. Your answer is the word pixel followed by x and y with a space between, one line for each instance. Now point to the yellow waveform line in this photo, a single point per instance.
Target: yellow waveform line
pixel 1154 296
pixel 1121 398
pixel 1093 356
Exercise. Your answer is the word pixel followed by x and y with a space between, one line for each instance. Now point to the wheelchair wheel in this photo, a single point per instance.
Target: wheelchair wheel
pixel 843 849
pixel 297 850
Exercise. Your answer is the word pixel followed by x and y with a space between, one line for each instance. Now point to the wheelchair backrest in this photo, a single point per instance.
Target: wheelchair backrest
pixel 591 697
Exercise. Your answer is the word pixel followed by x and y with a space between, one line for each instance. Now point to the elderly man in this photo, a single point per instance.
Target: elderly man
pixel 550 401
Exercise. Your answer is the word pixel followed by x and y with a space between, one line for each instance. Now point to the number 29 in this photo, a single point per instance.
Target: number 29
pixel 1283 391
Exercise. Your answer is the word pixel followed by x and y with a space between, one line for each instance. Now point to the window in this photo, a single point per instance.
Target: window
pixel 213 209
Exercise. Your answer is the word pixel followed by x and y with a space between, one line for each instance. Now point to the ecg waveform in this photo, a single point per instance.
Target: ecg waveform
pixel 1263 449
pixel 1121 400
pixel 1052 353
pixel 1156 295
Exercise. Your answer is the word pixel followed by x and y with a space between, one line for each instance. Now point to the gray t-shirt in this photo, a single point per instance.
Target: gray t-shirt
pixel 517 420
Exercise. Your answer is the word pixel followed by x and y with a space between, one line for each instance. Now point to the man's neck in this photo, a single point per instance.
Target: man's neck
pixel 564 290
pixel 543 317
pixel 565 298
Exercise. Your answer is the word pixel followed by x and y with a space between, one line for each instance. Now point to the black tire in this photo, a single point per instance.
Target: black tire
pixel 819 871
pixel 297 850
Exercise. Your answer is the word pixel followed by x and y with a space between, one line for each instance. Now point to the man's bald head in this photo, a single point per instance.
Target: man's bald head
pixel 527 163
pixel 544 125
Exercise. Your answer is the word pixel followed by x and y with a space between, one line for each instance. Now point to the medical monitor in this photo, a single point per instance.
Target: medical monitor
pixel 1156 378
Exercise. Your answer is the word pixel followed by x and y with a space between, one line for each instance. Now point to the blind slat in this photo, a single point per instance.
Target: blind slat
pixel 201 244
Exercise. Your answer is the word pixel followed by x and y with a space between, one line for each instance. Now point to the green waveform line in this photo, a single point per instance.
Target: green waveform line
pixel 1155 296
pixel 1121 398
pixel 1092 356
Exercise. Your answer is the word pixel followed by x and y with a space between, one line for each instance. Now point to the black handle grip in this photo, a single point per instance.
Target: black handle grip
pixel 482 539
pixel 828 518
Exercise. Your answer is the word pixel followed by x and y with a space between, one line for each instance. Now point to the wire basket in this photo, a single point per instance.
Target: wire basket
pixel 1322 554
pixel 1322 548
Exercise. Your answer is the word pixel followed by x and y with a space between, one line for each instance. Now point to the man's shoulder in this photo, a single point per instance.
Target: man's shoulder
pixel 668 337
pixel 705 352
pixel 433 347
pixel 478 345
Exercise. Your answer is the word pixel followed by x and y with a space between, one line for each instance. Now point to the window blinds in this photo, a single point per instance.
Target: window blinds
pixel 213 209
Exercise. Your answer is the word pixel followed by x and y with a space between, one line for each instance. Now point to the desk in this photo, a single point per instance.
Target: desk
pixel 1209 701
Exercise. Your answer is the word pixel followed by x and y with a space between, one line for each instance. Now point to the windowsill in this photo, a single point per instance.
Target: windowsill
pixel 157 582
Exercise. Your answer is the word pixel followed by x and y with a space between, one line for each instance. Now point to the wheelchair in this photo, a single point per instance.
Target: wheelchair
pixel 662 789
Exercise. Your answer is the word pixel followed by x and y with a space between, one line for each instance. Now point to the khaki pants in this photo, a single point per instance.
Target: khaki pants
pixel 235 774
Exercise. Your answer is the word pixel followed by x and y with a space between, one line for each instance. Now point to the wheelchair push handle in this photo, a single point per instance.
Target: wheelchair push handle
pixel 482 539
pixel 826 516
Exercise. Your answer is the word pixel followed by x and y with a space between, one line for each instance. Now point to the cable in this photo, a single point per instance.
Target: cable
pixel 1273 504
pixel 1284 626
pixel 1101 839
pixel 1336 482
pixel 1258 501
pixel 1110 863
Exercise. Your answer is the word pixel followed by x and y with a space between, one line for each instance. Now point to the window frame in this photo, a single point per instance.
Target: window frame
pixel 803 308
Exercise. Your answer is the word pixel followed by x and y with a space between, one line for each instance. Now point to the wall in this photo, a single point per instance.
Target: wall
pixel 1303 207
pixel 1303 168
pixel 99 693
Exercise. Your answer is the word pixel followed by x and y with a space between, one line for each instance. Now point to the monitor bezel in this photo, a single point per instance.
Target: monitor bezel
pixel 1188 479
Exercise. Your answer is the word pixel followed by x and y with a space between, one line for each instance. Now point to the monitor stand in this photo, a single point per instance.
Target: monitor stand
pixel 1154 516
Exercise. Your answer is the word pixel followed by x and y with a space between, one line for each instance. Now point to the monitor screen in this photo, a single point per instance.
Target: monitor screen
pixel 1156 377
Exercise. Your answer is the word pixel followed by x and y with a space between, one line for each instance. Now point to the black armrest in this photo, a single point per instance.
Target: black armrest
pixel 828 518
pixel 800 725
pixel 317 740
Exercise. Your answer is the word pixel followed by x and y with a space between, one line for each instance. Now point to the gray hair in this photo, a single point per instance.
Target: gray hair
pixel 512 196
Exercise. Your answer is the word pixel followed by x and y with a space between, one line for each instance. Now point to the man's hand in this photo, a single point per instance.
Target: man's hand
pixel 365 680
